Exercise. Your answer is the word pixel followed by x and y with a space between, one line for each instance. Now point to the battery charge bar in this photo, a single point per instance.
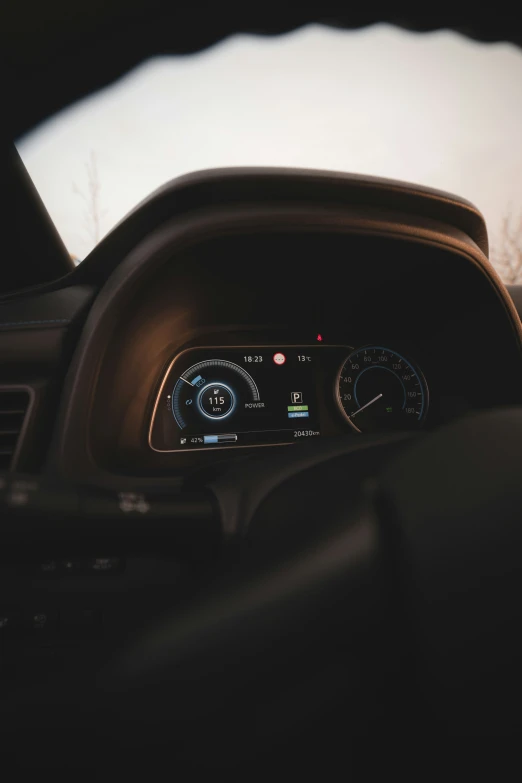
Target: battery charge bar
pixel 228 438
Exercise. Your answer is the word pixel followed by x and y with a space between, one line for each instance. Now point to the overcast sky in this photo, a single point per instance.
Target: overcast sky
pixel 435 109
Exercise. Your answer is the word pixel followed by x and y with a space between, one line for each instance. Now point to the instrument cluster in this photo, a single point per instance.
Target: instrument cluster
pixel 216 397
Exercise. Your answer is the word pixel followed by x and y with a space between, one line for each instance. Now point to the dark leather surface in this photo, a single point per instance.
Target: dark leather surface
pixel 40 310
pixel 457 498
pixel 34 329
pixel 281 186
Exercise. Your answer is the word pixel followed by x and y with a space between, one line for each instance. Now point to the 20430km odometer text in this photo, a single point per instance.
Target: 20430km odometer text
pixel 379 390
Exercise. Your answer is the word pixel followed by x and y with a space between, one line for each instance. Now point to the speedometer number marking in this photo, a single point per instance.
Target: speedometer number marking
pixel 378 389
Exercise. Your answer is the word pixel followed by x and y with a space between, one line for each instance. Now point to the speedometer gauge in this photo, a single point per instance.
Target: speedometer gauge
pixel 378 389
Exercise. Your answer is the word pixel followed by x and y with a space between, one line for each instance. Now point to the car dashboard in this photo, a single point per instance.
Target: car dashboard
pixel 234 316
pixel 299 297
pixel 236 309
pixel 233 515
pixel 254 337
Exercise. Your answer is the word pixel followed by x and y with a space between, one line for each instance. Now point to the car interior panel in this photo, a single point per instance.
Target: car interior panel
pixel 260 451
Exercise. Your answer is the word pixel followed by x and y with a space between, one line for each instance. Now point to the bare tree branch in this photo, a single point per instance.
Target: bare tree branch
pixel 93 214
pixel 506 254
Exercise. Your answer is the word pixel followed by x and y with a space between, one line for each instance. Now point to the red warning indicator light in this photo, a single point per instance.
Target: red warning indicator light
pixel 279 358
pixel 319 338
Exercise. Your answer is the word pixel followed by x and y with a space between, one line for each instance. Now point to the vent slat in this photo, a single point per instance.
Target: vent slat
pixel 11 421
pixel 14 404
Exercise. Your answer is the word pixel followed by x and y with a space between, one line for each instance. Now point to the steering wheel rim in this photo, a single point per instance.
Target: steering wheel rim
pixel 430 526
pixel 408 626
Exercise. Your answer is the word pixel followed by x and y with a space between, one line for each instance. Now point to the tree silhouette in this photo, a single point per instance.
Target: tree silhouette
pixel 506 255
pixel 93 214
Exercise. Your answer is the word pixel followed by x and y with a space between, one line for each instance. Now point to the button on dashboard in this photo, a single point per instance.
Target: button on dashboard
pixel 104 564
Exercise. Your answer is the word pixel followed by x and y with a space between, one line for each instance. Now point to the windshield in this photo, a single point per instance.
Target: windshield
pixel 438 109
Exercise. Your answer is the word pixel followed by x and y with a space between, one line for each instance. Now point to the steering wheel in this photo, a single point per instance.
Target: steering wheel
pixel 389 569
pixel 378 593
pixel 378 596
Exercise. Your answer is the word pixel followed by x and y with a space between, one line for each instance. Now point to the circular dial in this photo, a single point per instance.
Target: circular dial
pixel 378 389
pixel 211 391
pixel 216 400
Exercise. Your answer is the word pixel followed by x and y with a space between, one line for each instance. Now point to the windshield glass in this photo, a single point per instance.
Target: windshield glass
pixel 437 109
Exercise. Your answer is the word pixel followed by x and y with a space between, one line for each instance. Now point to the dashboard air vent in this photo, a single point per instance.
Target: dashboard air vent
pixel 14 405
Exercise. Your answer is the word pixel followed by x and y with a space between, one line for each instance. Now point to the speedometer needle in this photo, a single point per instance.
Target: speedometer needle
pixel 365 406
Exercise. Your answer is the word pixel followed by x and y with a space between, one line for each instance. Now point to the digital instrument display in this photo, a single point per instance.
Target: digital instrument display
pixel 213 398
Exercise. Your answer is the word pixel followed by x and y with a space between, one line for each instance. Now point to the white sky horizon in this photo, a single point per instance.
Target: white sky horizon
pixel 435 109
